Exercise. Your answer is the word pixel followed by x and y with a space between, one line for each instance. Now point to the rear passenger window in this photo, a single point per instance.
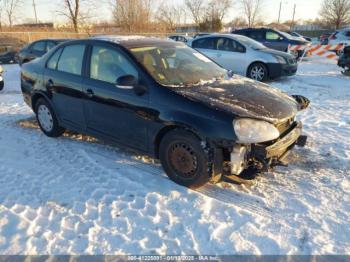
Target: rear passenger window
pixel 71 59
pixel 52 63
pixel 205 43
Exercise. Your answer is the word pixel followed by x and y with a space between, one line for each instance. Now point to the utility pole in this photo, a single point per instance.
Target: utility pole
pixel 36 16
pixel 292 24
pixel 279 13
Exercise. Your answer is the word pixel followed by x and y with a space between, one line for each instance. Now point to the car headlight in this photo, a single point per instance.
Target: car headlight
pixel 281 59
pixel 250 131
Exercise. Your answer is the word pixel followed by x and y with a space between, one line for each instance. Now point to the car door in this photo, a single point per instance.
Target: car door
pixel 113 111
pixel 206 46
pixel 37 49
pixel 275 41
pixel 63 80
pixel 230 55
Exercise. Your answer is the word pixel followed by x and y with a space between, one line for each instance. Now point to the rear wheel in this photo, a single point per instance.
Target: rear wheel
pixel 47 119
pixel 258 72
pixel 184 159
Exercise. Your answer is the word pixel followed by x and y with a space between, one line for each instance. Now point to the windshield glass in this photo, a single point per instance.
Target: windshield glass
pixel 250 42
pixel 286 35
pixel 178 65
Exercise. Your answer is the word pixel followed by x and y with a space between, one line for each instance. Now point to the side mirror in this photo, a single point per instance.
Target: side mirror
pixel 130 82
pixel 126 82
pixel 230 73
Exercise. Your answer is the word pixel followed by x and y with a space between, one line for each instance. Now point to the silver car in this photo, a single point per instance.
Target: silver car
pixel 245 56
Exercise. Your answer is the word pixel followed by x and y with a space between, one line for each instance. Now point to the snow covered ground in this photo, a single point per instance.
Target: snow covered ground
pixel 75 195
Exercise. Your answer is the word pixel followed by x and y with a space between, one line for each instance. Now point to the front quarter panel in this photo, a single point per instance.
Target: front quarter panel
pixel 175 110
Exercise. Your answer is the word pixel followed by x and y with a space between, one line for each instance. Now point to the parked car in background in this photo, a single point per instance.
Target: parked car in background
pixel 341 36
pixel 7 55
pixel 295 34
pixel 180 38
pixel 9 47
pixel 246 56
pixel 37 49
pixel 165 99
pixel 1 78
pixel 324 38
pixel 273 38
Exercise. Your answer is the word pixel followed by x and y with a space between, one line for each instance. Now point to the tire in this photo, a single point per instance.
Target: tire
pixel 47 119
pixel 184 159
pixel 258 72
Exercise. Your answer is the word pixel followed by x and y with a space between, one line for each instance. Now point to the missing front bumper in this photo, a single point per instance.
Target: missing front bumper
pixel 264 156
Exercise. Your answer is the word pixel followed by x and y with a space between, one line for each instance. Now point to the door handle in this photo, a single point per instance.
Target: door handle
pixel 90 93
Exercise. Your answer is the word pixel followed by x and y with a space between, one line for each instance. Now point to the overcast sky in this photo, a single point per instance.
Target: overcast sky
pixel 305 9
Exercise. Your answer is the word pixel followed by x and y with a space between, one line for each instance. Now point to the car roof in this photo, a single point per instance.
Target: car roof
pixel 134 41
pixel 54 39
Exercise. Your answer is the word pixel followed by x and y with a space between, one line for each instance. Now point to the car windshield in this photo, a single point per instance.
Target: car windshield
pixel 286 35
pixel 177 65
pixel 250 42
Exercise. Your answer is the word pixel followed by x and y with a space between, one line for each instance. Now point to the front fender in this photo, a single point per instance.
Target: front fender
pixel 213 128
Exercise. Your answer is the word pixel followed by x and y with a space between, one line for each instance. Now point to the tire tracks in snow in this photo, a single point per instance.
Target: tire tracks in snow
pixel 110 159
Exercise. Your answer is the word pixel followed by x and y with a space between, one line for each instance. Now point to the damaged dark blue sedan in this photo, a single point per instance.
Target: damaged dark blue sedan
pixel 164 99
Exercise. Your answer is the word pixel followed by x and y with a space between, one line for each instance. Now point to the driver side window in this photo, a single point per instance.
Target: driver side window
pixel 108 65
pixel 226 44
pixel 273 36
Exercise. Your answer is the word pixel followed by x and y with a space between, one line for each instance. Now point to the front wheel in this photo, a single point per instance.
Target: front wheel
pixel 258 72
pixel 47 119
pixel 184 159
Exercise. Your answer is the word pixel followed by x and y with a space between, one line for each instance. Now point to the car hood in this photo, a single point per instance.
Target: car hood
pixel 243 97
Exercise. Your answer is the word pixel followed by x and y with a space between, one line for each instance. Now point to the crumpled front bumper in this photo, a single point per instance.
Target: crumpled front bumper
pixel 262 156
pixel 274 154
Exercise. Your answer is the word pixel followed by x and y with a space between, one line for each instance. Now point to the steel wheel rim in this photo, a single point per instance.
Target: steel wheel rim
pixel 257 73
pixel 45 118
pixel 183 160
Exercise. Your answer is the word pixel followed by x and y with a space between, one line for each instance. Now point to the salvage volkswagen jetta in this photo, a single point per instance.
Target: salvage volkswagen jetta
pixel 164 99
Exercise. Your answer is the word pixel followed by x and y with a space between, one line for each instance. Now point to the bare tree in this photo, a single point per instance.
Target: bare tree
pixel 196 8
pixel 77 11
pixel 132 15
pixel 238 22
pixel 169 15
pixel 336 13
pixel 11 8
pixel 217 9
pixel 252 10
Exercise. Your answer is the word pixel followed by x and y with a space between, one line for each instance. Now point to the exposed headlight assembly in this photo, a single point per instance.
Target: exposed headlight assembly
pixel 250 131
pixel 281 59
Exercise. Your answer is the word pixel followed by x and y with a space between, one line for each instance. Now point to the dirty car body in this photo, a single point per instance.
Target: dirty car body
pixel 160 88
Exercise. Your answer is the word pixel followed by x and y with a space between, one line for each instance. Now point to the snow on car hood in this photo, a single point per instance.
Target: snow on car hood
pixel 245 98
